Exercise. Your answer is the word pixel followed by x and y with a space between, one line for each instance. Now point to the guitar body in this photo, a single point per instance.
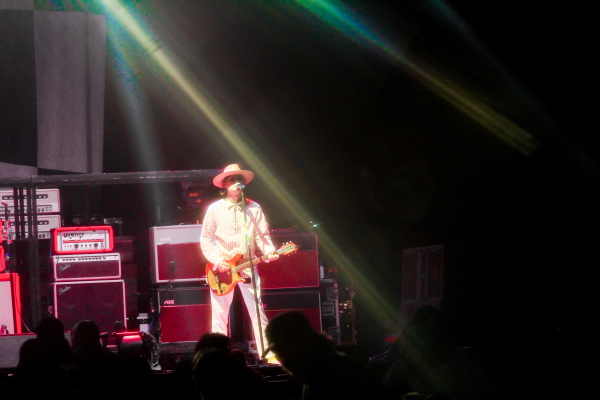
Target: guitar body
pixel 223 283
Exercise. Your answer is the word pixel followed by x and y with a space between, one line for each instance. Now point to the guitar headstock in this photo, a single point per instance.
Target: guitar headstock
pixel 288 248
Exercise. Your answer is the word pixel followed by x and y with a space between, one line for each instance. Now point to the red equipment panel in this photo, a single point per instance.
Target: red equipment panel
pixel 10 303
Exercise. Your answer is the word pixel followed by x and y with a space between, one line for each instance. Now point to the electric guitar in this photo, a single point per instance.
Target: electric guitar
pixel 222 283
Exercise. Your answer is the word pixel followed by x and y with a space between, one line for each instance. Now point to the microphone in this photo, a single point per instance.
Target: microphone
pixel 173 264
pixel 239 186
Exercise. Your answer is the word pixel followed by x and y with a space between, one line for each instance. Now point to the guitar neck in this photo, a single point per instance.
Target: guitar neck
pixel 254 262
pixel 247 263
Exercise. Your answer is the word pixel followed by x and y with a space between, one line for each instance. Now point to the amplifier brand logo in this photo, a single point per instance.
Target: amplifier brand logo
pixel 73 235
pixel 165 239
pixel 61 268
pixel 169 302
pixel 62 290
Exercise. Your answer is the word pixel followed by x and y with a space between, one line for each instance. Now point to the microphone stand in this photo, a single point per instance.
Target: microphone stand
pixel 252 275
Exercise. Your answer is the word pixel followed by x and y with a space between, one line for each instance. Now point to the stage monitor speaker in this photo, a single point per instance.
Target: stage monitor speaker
pixel 185 314
pixel 100 301
pixel 176 255
pixel 10 303
pixel 9 349
pixel 307 302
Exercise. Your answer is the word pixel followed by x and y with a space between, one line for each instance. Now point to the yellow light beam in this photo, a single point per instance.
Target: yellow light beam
pixel 201 98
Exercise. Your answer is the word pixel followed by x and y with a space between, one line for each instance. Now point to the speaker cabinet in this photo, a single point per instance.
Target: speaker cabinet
pixel 307 302
pixel 176 255
pixel 296 270
pixel 100 301
pixel 10 301
pixel 185 314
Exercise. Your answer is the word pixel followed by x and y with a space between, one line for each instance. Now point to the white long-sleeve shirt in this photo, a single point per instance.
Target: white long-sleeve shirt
pixel 223 231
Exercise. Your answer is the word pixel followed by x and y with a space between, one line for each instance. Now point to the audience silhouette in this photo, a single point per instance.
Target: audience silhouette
pixel 427 364
pixel 311 358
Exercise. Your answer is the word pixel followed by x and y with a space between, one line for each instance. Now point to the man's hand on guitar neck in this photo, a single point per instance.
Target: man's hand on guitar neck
pixel 272 256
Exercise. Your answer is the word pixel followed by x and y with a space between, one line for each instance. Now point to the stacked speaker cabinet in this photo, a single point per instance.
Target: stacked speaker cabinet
pixel 294 282
pixel 184 313
pixel 290 283
pixel 87 278
pixel 176 259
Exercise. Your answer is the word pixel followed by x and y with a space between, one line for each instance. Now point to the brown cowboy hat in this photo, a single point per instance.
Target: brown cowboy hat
pixel 232 169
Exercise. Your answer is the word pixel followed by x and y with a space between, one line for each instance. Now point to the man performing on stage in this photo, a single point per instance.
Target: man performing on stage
pixel 223 237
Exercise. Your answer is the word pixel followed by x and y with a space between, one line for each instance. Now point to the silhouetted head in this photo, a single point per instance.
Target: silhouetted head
pixel 237 358
pixel 213 340
pixel 31 353
pixel 212 374
pixel 85 332
pixel 285 329
pixel 50 329
pixel 300 349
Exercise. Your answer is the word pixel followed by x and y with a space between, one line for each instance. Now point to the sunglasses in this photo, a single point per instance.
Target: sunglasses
pixel 235 178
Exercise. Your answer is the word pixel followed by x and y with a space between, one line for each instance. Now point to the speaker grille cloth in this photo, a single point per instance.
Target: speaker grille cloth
pixel 296 270
pixel 190 263
pixel 184 323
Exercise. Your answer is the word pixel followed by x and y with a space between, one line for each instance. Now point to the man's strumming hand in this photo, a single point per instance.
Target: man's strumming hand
pixel 223 267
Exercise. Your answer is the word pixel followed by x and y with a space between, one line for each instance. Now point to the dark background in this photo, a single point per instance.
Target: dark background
pixel 377 158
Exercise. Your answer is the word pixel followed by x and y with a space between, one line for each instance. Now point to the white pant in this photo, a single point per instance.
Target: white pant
pixel 220 311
